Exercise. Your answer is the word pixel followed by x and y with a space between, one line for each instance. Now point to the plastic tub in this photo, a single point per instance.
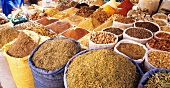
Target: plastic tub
pixel 160 16
pixel 158 32
pixel 93 45
pixel 142 41
pixel 139 60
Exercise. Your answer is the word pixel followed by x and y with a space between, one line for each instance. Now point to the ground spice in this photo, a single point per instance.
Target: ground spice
pixel 85 40
pixel 84 11
pixel 163 35
pixel 159 59
pixel 23 46
pixel 133 51
pixel 102 37
pixel 89 24
pixel 46 21
pixel 61 7
pixel 71 11
pixel 159 44
pixel 102 69
pixel 54 54
pixel 37 15
pixel 158 80
pixel 59 26
pixel 150 26
pixel 100 15
pixel 116 31
pixel 51 11
pixel 124 20
pixel 7 34
pixel 61 15
pixel 74 19
pixel 140 33
pixel 76 33
pixel 160 22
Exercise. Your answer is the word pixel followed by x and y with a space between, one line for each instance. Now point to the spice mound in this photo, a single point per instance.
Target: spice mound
pixel 150 26
pixel 84 11
pixel 7 35
pixel 100 15
pixel 116 31
pixel 158 80
pixel 102 69
pixel 74 19
pixel 159 59
pixel 159 44
pixel 54 54
pixel 140 33
pixel 125 20
pixel 102 37
pixel 24 44
pixel 133 51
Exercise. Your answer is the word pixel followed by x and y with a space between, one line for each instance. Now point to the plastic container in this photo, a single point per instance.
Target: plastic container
pixel 155 35
pixel 47 78
pixel 160 22
pixel 165 28
pixel 140 60
pixel 142 41
pixel 160 16
pixel 82 52
pixel 148 66
pixel 93 45
pixel 148 74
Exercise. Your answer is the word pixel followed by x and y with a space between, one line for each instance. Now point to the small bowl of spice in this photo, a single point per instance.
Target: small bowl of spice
pixel 160 22
pixel 131 49
pixel 102 40
pixel 157 59
pixel 160 16
pixel 153 27
pixel 116 31
pixel 158 44
pixel 155 78
pixel 138 34
pixel 123 22
pixel 162 35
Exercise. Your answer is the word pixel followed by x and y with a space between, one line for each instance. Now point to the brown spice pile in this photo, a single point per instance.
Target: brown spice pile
pixel 23 46
pixel 124 20
pixel 116 31
pixel 53 54
pixel 102 69
pixel 74 19
pixel 133 51
pixel 100 15
pixel 46 21
pixel 140 33
pixel 159 59
pixel 89 24
pixel 150 26
pixel 37 15
pixel 163 35
pixel 7 34
pixel 158 80
pixel 159 44
pixel 84 11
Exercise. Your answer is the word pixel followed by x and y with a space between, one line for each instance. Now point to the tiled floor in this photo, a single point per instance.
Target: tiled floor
pixel 5 75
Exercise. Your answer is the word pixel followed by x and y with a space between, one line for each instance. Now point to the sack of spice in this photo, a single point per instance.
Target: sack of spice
pixel 17 53
pixel 48 59
pixel 131 49
pixel 138 34
pixel 102 40
pixel 155 78
pixel 156 59
pixel 123 22
pixel 101 68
